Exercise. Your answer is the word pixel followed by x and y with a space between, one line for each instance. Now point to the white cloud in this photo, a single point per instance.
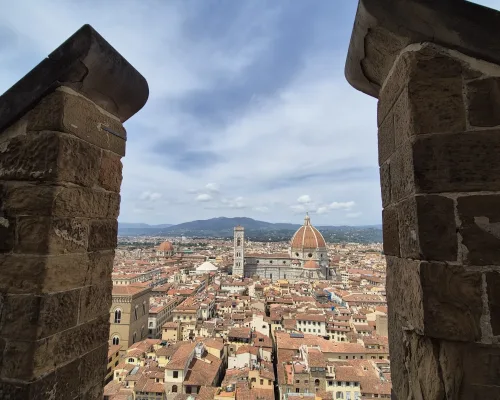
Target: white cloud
pixel 212 187
pixel 234 203
pixel 203 197
pixel 298 208
pixel 150 196
pixel 341 205
pixel 322 210
pixel 304 199
pixel 353 215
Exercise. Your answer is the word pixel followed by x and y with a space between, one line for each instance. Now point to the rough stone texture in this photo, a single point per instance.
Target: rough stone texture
pixel 451 301
pixel 402 176
pixel 483 98
pixel 72 113
pixel 95 300
pixel 461 162
pixel 110 174
pixel 44 235
pixel 429 109
pixel 61 142
pixel 404 292
pixel 93 368
pixel 390 231
pixel 386 143
pixel 480 230
pixel 59 201
pixel 493 284
pixel 385 184
pixel 427 228
pixel 103 234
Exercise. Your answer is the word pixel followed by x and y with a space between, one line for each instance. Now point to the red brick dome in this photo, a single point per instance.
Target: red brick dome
pixel 166 246
pixel 311 264
pixel 307 237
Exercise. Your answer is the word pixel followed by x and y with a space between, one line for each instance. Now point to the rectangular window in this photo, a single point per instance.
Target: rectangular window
pixel 176 374
pixel 262 381
pixel 297 390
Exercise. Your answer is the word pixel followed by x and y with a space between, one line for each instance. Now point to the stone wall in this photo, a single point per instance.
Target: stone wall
pixel 60 175
pixel 439 146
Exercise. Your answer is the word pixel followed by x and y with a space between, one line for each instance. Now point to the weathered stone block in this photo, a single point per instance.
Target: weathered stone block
pixel 21 274
pixel 18 360
pixel 110 174
pixel 19 316
pixel 423 372
pixel 30 157
pixel 13 390
pixel 93 367
pixel 51 235
pixel 451 301
pixel 101 266
pixel 483 100
pixel 58 312
pixel 390 231
pixel 103 235
pixel 78 161
pixel 66 111
pixel 68 379
pixel 385 183
pixel 402 179
pixel 95 300
pixel 397 347
pixel 480 217
pixel 402 119
pixel 409 228
pixel 493 286
pixel 94 393
pixel 451 363
pixel 481 365
pixel 457 162
pixel 386 142
pixel 71 344
pixel 437 105
pixel 59 201
pixel 404 292
pixel 427 228
pixel 7 234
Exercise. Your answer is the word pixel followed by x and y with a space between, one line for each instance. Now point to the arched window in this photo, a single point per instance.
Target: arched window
pixel 116 340
pixel 316 382
pixel 174 389
pixel 340 395
pixel 118 316
pixel 144 308
pixel 135 312
pixel 238 242
pixel 134 337
pixel 131 360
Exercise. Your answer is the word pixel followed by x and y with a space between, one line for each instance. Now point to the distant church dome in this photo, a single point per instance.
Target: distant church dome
pixel 307 237
pixel 311 264
pixel 166 246
pixel 207 266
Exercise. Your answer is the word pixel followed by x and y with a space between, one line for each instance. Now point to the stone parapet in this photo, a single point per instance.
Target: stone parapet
pixel 61 143
pixel 435 68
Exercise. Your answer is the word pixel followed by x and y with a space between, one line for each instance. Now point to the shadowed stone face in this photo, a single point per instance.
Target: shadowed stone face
pixel 60 177
pixel 438 118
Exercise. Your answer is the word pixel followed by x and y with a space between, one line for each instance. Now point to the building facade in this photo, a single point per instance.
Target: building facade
pixel 307 257
pixel 128 315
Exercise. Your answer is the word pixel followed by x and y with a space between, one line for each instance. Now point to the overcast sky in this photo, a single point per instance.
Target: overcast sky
pixel 249 112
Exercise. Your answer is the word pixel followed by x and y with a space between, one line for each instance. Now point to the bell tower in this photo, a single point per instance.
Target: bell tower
pixel 239 250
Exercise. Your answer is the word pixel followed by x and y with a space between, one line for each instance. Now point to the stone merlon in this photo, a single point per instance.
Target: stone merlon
pixel 383 28
pixel 88 64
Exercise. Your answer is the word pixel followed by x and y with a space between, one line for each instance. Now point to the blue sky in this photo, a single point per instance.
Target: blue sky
pixel 249 111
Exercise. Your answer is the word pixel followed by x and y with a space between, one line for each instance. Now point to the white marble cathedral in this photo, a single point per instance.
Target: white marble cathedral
pixel 306 259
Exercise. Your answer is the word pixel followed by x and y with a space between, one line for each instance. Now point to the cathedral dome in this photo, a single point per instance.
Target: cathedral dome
pixel 307 237
pixel 166 246
pixel 311 264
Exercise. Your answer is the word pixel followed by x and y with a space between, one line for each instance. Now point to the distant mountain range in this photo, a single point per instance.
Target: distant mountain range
pixel 222 227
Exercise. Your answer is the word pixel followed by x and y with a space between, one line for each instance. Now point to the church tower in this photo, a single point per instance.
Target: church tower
pixel 239 251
